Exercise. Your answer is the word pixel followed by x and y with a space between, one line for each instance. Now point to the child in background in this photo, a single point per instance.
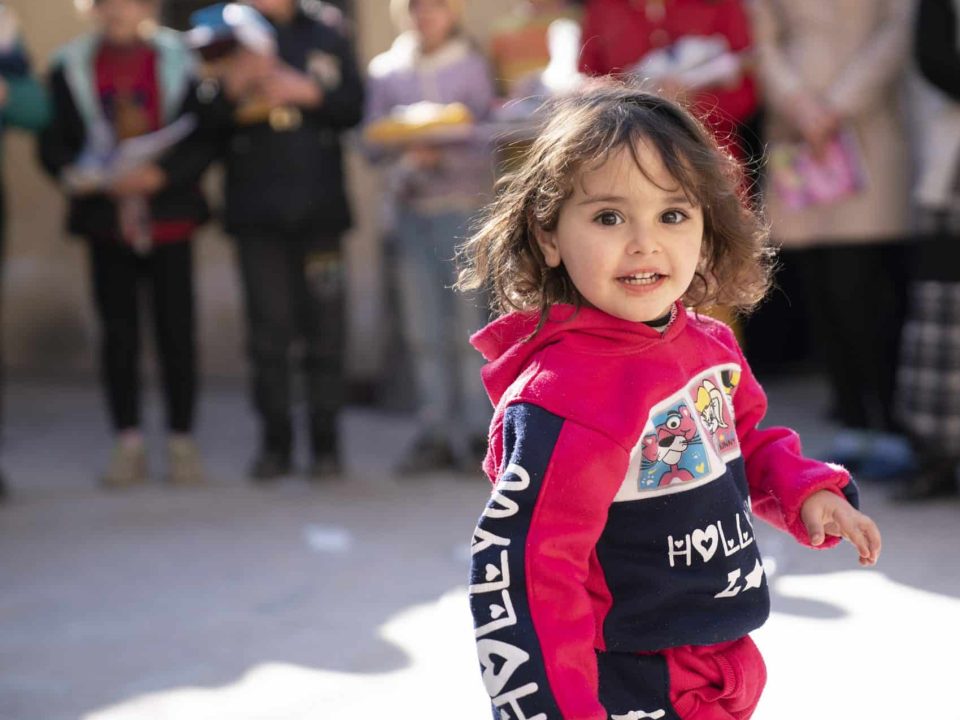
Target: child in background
pixel 127 79
pixel 434 190
pixel 615 569
pixel 23 104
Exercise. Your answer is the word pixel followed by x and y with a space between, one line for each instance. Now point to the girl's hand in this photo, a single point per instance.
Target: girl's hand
pixel 826 513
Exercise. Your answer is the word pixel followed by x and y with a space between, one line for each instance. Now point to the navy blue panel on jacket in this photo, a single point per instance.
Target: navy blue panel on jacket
pixel 510 660
pixel 663 596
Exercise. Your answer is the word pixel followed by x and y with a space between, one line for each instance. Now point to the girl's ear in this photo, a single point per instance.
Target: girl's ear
pixel 547 241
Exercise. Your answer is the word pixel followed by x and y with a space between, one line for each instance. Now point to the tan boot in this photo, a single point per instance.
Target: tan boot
pixel 184 466
pixel 128 466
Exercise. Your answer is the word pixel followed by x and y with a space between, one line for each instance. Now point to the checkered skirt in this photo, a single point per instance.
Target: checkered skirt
pixel 928 377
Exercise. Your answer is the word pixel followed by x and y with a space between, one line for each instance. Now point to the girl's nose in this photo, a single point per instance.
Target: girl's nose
pixel 642 242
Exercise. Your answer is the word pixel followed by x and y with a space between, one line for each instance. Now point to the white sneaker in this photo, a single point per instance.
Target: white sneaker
pixel 184 466
pixel 127 467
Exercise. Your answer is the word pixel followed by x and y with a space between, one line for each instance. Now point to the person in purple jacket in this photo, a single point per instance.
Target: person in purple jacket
pixel 433 189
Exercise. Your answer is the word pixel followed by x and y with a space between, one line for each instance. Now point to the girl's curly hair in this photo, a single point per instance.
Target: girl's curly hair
pixel 583 129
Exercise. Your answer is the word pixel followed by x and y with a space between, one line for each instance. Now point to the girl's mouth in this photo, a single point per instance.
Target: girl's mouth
pixel 648 278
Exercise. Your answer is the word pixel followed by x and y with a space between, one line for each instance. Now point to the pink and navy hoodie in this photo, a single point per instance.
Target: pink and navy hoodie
pixel 627 467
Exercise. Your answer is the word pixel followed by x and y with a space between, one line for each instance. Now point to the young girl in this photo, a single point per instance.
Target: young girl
pixel 125 80
pixel 434 190
pixel 615 569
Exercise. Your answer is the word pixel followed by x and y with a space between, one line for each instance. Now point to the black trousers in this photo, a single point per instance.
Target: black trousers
pixel 856 295
pixel 294 291
pixel 120 278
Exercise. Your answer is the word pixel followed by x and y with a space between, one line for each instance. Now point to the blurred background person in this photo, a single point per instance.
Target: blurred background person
pixel 696 50
pixel 279 94
pixel 435 183
pixel 519 44
pixel 829 66
pixel 23 104
pixel 127 80
pixel 928 388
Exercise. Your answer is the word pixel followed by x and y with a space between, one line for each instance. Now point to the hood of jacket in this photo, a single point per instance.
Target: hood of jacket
pixel 509 343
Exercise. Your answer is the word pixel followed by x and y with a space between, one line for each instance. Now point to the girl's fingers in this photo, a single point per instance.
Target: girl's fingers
pixel 815 529
pixel 874 542
pixel 863 533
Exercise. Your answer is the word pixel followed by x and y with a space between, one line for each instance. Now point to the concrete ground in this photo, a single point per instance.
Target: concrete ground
pixel 347 600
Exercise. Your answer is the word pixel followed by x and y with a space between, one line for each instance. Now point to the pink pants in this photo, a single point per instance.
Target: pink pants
pixel 713 682
pixel 716 682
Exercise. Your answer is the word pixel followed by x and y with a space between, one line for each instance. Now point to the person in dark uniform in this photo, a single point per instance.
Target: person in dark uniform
pixel 281 88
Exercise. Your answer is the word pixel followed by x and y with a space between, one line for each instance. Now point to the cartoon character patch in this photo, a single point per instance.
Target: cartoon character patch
pixel 711 408
pixel 674 451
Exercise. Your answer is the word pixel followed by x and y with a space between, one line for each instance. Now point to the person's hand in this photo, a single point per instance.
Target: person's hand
pixel 144 180
pixel 423 157
pixel 826 513
pixel 4 93
pixel 816 121
pixel 244 73
pixel 287 86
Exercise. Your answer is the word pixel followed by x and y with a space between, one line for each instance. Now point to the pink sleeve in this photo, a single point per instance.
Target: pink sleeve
pixel 585 474
pixel 781 478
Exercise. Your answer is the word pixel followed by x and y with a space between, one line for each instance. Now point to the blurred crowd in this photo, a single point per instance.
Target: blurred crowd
pixel 846 114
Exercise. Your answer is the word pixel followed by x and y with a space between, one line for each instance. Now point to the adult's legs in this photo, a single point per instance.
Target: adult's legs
pixel 468 415
pixel 423 271
pixel 928 387
pixel 115 273
pixel 270 330
pixel 171 275
pixel 170 269
pixel 316 277
pixel 855 294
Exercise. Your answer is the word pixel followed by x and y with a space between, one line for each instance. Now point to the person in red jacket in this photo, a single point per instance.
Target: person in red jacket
pixel 698 49
pixel 615 568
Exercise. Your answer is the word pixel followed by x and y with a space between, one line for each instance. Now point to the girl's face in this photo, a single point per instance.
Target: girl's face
pixel 630 246
pixel 433 20
pixel 123 21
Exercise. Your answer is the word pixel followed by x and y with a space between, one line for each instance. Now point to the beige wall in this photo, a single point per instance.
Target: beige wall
pixel 48 323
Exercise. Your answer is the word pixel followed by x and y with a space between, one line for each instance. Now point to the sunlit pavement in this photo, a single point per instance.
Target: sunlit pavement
pixel 347 599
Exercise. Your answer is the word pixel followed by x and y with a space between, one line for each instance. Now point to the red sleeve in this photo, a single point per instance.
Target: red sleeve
pixel 535 623
pixel 592 59
pixel 735 26
pixel 779 475
pixel 739 103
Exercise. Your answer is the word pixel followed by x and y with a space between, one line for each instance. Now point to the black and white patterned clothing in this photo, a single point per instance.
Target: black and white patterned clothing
pixel 928 395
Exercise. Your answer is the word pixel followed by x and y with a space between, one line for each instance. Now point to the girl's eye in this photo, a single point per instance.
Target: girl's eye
pixel 608 218
pixel 673 217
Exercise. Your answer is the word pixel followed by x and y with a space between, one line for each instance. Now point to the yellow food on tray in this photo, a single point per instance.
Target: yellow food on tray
pixel 421 122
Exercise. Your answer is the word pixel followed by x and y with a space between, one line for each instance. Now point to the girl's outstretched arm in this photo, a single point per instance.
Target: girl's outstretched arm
pixel 780 476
